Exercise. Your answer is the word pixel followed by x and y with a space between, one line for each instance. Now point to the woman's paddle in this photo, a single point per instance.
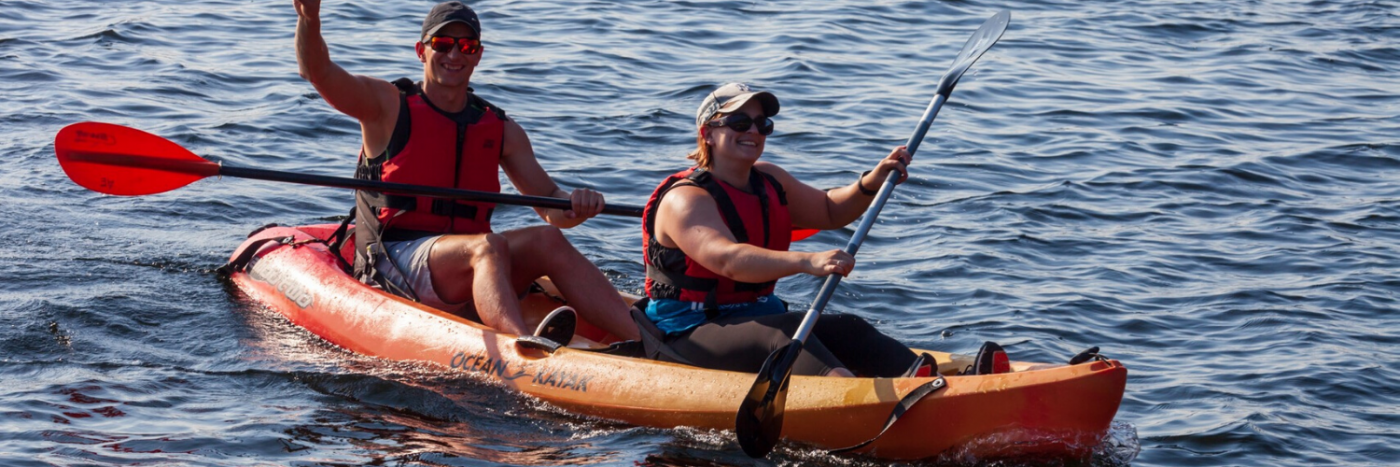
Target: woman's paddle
pixel 759 422
pixel 118 160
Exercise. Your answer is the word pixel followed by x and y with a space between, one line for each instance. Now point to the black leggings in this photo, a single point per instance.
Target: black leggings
pixel 838 340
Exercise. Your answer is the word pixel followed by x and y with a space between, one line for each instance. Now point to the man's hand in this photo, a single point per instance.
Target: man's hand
pixel 309 9
pixel 586 204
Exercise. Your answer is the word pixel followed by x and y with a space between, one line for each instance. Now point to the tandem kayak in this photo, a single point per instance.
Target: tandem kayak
pixel 1035 409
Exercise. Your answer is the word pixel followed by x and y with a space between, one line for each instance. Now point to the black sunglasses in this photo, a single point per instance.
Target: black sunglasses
pixel 742 122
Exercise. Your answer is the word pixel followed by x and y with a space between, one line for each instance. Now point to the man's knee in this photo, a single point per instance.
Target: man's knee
pixel 465 251
pixel 543 246
pixel 489 247
pixel 546 236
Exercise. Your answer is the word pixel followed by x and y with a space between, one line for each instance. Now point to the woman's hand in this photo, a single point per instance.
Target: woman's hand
pixel 898 159
pixel 825 263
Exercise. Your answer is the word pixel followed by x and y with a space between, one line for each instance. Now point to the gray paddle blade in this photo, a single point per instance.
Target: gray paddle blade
pixel 980 42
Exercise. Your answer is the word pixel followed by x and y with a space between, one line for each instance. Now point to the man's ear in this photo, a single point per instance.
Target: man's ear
pixel 418 47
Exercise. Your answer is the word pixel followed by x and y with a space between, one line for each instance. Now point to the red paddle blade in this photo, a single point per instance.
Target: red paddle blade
pixel 802 234
pixel 117 160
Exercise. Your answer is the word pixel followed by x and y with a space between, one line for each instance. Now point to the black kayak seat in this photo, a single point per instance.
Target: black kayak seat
pixel 653 340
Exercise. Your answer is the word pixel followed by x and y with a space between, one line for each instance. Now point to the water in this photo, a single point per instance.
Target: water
pixel 1206 190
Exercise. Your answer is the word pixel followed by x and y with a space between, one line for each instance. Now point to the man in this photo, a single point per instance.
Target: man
pixel 438 132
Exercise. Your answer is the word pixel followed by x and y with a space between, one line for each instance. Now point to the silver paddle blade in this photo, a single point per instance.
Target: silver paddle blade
pixel 980 42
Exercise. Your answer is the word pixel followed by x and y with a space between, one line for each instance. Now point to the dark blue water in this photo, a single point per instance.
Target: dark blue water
pixel 1207 190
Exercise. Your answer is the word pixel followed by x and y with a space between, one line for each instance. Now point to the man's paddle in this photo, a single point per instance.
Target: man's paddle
pixel 759 422
pixel 118 160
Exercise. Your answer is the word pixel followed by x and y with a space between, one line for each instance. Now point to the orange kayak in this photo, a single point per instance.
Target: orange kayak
pixel 1036 409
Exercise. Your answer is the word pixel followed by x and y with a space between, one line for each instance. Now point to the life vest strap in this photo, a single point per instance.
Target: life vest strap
pixel 705 180
pixel 679 281
pixel 683 281
pixel 441 207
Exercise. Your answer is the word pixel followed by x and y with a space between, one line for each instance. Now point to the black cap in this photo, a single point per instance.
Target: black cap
pixel 446 13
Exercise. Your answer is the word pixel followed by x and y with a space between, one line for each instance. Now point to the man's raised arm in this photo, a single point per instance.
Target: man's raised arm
pixel 361 97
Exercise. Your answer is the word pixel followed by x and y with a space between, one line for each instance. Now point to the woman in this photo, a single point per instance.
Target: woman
pixel 716 240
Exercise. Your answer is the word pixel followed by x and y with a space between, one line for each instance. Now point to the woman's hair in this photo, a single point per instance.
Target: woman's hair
pixel 701 154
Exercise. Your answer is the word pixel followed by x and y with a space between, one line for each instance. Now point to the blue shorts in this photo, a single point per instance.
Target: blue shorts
pixel 675 316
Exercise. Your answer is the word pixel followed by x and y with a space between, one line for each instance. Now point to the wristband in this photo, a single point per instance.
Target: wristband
pixel 861 185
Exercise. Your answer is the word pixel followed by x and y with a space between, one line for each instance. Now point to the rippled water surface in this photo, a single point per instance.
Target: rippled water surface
pixel 1205 189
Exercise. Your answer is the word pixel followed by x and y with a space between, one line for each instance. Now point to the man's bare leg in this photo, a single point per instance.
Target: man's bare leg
pixel 544 251
pixel 477 268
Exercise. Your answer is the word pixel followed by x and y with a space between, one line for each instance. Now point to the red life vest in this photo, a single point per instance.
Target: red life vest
pixel 753 218
pixel 430 147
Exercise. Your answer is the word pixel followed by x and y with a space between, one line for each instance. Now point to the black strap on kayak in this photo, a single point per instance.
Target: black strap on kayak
pixel 899 409
pixel 240 262
pixel 653 340
pixel 629 349
pixel 376 251
pixel 337 239
pixel 538 343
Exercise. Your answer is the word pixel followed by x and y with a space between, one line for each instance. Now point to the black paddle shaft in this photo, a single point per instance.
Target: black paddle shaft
pixel 416 190
pixel 759 422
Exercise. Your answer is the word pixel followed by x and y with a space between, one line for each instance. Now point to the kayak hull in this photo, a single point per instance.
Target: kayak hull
pixel 1033 410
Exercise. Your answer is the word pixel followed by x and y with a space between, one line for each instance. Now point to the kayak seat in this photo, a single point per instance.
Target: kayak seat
pixel 653 340
pixel 559 325
pixel 991 360
pixel 924 366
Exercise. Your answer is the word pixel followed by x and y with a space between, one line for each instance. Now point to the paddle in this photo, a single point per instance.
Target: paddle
pixel 118 160
pixel 759 423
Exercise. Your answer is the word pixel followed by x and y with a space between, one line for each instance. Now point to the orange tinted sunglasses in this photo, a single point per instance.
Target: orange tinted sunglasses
pixel 443 44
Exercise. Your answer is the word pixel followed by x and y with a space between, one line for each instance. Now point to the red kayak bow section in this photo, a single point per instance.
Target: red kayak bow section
pixel 1035 409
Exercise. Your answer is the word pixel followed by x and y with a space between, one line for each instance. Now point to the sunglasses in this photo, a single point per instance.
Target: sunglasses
pixel 444 44
pixel 741 123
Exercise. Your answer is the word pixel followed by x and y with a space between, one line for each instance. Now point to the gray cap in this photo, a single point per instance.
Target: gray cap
pixel 731 97
pixel 446 13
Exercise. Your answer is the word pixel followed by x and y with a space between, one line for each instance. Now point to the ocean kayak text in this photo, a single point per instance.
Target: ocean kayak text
pixel 480 363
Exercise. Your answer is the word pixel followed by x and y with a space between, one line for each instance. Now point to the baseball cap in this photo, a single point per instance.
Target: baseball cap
pixel 731 97
pixel 446 13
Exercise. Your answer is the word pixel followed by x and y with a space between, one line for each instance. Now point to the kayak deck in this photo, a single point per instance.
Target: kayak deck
pixel 1034 409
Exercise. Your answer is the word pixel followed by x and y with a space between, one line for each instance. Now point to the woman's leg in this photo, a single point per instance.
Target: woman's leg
pixel 742 344
pixel 864 349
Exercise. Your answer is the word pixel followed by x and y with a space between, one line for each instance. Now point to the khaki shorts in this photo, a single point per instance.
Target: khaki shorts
pixel 411 257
